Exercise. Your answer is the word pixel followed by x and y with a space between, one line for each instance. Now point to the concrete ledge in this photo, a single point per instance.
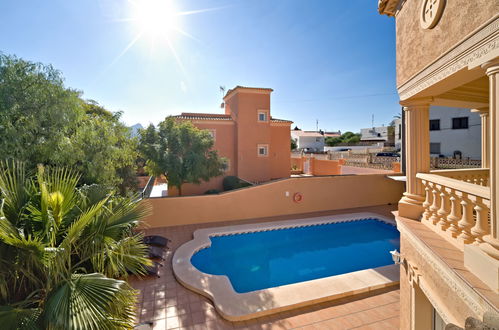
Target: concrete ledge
pixel 235 306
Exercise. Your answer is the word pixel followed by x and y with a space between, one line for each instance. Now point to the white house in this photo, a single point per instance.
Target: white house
pixel 454 132
pixel 308 140
pixel 375 134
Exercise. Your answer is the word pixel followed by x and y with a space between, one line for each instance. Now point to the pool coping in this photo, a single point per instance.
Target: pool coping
pixel 235 306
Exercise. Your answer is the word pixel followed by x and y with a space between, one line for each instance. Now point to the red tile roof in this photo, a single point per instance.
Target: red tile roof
pixel 248 88
pixel 277 120
pixel 203 116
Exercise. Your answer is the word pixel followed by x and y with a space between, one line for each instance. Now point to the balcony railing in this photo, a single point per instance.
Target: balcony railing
pixel 479 176
pixel 457 205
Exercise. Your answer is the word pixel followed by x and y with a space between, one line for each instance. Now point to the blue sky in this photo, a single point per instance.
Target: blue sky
pixel 328 60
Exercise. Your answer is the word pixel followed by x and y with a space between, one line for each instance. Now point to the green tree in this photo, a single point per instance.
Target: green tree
pixel 43 122
pixel 38 115
pixel 293 144
pixel 347 137
pixel 103 150
pixel 180 152
pixel 63 251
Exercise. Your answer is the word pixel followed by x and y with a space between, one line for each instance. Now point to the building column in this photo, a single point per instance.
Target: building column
pixel 417 155
pixel 483 260
pixel 485 126
pixel 491 246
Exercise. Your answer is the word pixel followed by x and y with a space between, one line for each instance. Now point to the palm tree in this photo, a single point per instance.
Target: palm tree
pixel 65 252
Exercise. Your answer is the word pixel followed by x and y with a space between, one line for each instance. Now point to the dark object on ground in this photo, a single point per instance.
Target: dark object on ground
pixel 153 270
pixel 156 240
pixel 344 149
pixel 156 252
pixel 387 154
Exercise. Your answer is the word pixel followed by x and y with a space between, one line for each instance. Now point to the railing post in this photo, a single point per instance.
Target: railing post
pixel 443 211
pixel 428 201
pixel 480 229
pixel 455 213
pixel 466 221
pixel 435 205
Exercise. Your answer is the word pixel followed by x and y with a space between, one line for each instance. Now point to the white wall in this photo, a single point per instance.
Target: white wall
pixel 465 140
pixel 398 133
pixel 374 133
pixel 311 142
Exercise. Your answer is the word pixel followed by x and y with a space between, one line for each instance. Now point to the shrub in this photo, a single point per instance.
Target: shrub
pixel 212 192
pixel 231 182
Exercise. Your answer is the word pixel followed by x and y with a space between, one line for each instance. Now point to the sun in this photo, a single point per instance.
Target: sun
pixel 156 18
pixel 157 21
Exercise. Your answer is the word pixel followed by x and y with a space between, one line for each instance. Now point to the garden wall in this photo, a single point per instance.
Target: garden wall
pixel 276 198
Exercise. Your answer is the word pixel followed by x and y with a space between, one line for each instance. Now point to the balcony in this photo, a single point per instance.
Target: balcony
pixel 457 204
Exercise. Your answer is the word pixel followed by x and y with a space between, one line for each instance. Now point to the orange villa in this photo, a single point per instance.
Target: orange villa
pixel 256 145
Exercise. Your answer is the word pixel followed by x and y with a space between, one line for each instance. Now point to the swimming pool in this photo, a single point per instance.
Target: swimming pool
pixel 256 269
pixel 266 259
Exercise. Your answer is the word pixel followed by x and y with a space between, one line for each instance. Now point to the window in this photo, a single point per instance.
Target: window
pixel 434 124
pixel 317 139
pixel 435 148
pixel 460 123
pixel 263 150
pixel 263 115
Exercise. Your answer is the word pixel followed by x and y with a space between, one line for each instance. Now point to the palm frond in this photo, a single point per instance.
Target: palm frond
pixel 90 301
pixel 14 318
pixel 14 184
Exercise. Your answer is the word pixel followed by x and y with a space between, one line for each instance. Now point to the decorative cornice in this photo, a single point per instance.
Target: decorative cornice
pixel 417 102
pixel 469 296
pixel 477 46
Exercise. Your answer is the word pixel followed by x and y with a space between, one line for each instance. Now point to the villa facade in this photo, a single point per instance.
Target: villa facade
pixel 448 55
pixel 256 145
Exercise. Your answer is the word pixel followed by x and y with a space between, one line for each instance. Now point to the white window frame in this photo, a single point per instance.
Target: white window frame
pixel 265 113
pixel 261 146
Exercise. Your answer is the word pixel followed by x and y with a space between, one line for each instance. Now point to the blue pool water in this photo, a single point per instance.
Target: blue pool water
pixel 261 260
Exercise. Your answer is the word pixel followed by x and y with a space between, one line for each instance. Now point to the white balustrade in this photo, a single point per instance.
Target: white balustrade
pixel 457 205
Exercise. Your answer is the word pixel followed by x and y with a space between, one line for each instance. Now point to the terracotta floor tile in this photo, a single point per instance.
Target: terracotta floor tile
pixel 172 322
pixel 159 324
pixel 176 307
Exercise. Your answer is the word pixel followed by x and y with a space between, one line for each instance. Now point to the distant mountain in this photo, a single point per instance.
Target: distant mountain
pixel 134 129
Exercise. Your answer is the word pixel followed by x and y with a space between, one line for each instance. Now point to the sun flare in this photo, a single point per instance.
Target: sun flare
pixel 156 18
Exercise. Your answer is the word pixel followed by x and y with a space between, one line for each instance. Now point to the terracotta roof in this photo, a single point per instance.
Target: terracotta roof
pixel 248 88
pixel 277 120
pixel 203 116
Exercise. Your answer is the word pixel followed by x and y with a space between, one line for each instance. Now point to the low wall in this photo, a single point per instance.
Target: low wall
pixel 326 167
pixel 297 163
pixel 276 198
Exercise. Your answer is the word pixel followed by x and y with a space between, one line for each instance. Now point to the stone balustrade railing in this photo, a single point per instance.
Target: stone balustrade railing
pixel 479 176
pixel 457 209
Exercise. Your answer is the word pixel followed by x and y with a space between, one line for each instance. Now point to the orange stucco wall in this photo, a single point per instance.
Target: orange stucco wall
pixel 298 162
pixel 276 198
pixel 238 141
pixel 250 133
pixel 279 153
pixel 325 167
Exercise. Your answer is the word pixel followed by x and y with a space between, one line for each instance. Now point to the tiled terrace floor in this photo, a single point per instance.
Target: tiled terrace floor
pixel 169 305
